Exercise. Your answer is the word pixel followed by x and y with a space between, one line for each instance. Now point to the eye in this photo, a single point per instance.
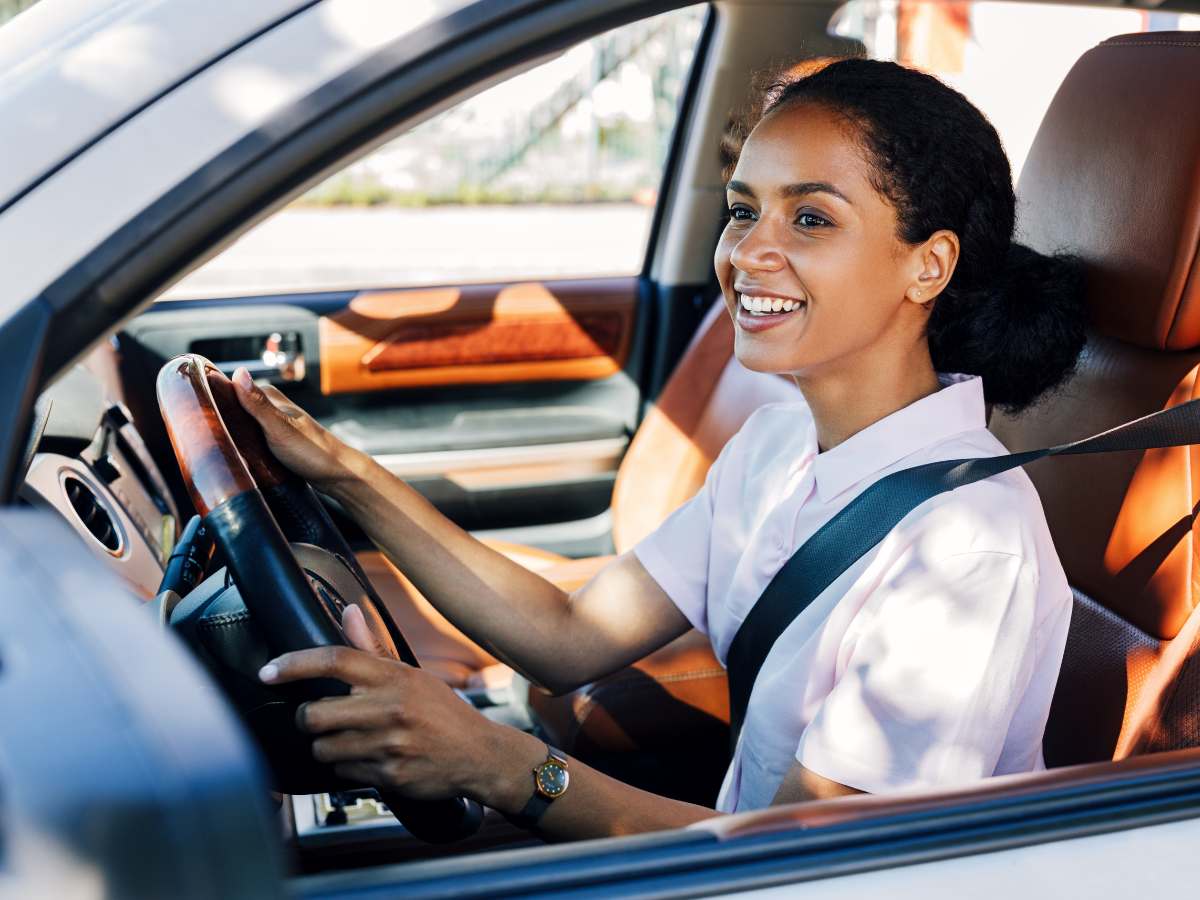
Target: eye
pixel 740 213
pixel 812 220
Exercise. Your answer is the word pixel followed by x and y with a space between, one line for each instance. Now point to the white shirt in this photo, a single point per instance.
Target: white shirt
pixel 932 660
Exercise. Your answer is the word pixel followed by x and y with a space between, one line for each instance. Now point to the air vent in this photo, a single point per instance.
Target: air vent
pixel 92 514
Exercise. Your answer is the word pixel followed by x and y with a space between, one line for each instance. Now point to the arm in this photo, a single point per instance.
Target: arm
pixel 402 728
pixel 557 640
pixel 596 805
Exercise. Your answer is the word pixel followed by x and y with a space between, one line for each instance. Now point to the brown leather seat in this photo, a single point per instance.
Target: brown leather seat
pixel 1114 176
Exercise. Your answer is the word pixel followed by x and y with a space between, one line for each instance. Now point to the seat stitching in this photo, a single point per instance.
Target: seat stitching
pixel 1159 731
pixel 637 680
pixel 1115 43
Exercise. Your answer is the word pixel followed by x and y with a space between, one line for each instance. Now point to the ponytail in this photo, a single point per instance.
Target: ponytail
pixel 1021 331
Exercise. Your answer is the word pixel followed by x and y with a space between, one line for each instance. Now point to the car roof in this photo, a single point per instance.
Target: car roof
pixel 72 70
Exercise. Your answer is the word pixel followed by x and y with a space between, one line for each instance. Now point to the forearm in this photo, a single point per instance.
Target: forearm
pixel 558 641
pixel 594 805
pixel 517 615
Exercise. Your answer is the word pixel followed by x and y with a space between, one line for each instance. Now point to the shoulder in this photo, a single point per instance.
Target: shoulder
pixel 997 515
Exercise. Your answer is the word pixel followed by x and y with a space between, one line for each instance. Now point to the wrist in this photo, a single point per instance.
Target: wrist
pixel 351 467
pixel 504 781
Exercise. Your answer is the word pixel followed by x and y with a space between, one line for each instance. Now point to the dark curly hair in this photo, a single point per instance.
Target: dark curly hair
pixel 1009 314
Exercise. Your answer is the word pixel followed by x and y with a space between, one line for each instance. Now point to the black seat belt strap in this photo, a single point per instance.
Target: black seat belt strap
pixel 870 516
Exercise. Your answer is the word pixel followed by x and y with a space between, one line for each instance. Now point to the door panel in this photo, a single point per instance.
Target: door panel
pixel 478 334
pixel 508 406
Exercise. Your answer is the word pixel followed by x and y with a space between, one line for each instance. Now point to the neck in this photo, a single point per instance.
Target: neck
pixel 849 397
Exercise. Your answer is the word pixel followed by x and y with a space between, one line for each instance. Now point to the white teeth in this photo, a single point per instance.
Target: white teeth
pixel 766 305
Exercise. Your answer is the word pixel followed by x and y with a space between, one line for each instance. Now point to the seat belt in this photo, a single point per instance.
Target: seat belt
pixel 870 516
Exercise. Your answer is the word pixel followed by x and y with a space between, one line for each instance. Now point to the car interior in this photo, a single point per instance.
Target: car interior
pixel 561 420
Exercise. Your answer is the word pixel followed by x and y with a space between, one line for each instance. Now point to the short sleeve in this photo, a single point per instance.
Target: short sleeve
pixel 933 679
pixel 676 554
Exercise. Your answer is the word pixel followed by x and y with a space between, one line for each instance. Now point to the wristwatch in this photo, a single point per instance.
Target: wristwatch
pixel 550 781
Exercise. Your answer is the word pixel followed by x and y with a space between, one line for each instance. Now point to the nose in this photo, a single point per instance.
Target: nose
pixel 757 250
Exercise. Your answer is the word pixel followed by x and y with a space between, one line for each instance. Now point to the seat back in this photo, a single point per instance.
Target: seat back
pixel 703 404
pixel 1114 177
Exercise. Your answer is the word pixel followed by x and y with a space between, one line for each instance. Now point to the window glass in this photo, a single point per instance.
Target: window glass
pixel 551 174
pixel 1008 58
pixel 9 8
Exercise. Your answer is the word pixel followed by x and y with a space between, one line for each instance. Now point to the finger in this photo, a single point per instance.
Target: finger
pixel 359 633
pixel 357 711
pixel 253 400
pixel 280 401
pixel 344 663
pixel 348 746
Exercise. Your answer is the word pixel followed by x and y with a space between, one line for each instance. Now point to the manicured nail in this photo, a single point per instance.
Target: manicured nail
pixel 242 377
pixel 269 672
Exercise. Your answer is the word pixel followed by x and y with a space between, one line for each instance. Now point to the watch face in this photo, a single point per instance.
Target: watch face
pixel 552 779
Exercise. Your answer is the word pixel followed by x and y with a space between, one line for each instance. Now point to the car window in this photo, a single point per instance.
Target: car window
pixel 1007 58
pixel 551 174
pixel 9 8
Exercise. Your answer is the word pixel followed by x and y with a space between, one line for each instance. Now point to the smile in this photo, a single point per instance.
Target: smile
pixel 761 313
pixel 766 306
pixel 769 306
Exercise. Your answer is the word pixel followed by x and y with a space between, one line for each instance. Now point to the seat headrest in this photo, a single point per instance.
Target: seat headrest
pixel 1114 177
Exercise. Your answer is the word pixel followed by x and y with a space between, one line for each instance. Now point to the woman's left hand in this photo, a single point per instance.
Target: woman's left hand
pixel 399 728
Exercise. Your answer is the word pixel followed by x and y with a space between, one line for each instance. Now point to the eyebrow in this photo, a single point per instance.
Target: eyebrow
pixel 798 189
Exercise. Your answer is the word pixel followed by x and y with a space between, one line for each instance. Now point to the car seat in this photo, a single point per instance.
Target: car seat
pixel 1114 177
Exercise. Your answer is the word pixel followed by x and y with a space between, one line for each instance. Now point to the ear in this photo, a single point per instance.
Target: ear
pixel 933 263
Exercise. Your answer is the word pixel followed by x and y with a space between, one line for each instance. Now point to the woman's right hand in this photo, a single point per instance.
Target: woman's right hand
pixel 296 438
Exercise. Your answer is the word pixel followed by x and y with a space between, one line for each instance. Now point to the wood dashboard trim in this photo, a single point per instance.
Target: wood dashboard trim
pixel 478 334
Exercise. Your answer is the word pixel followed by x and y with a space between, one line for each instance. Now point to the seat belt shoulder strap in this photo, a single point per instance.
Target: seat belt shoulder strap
pixel 869 517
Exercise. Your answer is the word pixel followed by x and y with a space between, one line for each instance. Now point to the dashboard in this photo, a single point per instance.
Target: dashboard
pixel 89 463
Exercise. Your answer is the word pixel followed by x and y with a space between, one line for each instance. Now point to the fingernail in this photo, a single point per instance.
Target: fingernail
pixel 242 377
pixel 269 672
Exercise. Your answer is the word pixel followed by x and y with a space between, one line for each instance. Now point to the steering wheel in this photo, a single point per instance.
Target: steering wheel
pixel 292 574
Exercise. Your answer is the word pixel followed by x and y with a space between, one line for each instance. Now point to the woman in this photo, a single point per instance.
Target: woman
pixel 868 248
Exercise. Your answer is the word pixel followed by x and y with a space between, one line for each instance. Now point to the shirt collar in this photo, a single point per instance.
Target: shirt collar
pixel 956 408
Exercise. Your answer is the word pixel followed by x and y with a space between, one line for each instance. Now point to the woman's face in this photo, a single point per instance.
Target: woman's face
pixel 811 240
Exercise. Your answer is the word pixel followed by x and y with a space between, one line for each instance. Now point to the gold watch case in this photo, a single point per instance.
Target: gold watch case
pixel 551 778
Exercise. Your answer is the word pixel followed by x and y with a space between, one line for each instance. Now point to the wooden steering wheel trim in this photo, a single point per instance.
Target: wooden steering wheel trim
pixel 220 449
pixel 227 466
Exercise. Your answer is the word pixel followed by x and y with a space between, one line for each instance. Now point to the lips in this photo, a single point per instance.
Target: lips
pixel 760 312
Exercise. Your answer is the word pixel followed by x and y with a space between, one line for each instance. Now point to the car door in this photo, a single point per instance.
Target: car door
pixel 468 303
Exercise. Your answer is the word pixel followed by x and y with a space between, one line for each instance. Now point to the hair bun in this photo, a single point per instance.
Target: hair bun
pixel 1022 332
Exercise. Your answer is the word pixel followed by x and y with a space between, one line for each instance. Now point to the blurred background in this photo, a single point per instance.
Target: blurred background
pixel 554 173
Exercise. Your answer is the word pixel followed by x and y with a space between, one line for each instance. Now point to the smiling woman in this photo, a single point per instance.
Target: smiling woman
pixel 871 212
pixel 868 255
pixel 925 185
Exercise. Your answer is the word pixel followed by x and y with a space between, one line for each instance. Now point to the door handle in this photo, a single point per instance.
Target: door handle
pixel 281 360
